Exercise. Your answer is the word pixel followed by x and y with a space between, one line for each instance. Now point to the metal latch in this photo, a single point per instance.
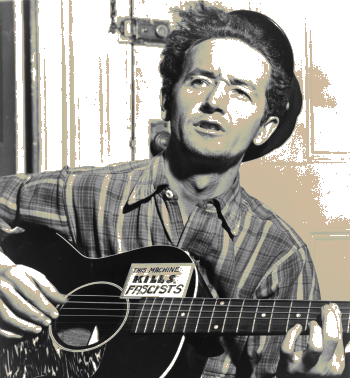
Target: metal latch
pixel 142 31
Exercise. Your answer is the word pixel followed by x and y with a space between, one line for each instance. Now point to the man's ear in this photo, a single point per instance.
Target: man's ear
pixel 164 106
pixel 266 130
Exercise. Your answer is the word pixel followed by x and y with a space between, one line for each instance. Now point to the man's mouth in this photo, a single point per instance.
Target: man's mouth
pixel 210 126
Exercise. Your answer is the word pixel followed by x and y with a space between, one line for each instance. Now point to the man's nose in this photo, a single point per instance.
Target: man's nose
pixel 215 100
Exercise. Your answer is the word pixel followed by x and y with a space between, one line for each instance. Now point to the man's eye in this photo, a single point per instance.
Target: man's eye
pixel 241 93
pixel 199 83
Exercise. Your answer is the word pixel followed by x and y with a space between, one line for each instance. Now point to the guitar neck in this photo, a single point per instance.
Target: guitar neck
pixel 219 316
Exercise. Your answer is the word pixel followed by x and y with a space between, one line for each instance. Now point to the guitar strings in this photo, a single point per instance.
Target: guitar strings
pixel 164 307
pixel 193 317
pixel 206 299
pixel 280 328
pixel 216 314
pixel 182 304
pixel 345 322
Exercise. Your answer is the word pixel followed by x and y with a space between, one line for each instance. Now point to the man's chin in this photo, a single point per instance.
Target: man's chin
pixel 215 156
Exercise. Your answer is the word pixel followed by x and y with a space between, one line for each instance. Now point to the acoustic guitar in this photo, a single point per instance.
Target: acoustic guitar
pixel 119 323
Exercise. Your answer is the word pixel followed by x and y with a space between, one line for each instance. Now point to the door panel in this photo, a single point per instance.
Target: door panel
pixel 7 89
pixel 85 85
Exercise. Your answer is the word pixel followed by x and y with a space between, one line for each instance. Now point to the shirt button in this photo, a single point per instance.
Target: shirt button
pixel 28 178
pixel 169 194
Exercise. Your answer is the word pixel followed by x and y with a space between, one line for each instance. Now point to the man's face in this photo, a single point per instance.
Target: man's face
pixel 219 100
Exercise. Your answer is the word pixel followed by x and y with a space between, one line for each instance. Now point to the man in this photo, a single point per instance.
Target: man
pixel 231 95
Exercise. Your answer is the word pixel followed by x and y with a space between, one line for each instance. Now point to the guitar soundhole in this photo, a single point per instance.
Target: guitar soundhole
pixel 93 314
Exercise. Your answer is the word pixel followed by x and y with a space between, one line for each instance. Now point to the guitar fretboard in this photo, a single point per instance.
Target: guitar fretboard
pixel 249 316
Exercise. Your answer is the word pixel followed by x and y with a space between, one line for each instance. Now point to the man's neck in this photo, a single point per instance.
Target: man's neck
pixel 193 183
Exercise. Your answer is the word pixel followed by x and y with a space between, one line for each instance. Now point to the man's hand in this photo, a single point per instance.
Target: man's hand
pixel 324 355
pixel 25 306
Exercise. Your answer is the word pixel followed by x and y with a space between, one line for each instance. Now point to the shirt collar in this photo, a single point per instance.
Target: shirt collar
pixel 152 177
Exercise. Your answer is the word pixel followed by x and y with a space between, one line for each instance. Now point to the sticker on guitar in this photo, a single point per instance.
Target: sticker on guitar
pixel 162 280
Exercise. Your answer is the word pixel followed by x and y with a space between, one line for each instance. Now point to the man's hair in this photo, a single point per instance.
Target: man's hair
pixel 201 23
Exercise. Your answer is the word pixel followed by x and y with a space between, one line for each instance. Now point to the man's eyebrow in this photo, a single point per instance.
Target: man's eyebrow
pixel 211 75
pixel 235 81
pixel 200 71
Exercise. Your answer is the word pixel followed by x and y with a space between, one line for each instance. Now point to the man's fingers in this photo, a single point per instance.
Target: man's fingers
pixel 288 357
pixel 34 288
pixel 334 333
pixel 9 335
pixel 340 346
pixel 47 288
pixel 324 353
pixel 315 345
pixel 10 321
pixel 26 297
pixel 22 307
pixel 332 330
pixel 288 344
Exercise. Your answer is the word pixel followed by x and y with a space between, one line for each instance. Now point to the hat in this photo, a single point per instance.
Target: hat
pixel 287 122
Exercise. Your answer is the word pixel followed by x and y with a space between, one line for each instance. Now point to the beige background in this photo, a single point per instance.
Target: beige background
pixel 84 77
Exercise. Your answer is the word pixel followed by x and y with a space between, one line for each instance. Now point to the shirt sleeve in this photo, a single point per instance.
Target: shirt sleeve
pixel 33 200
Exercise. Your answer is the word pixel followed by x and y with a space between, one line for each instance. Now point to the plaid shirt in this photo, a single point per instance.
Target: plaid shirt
pixel 242 248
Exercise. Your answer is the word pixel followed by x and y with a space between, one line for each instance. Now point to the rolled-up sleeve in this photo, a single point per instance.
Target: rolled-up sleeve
pixel 34 200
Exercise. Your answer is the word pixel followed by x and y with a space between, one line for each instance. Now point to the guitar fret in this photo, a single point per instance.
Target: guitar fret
pixel 273 308
pixel 172 316
pixel 177 314
pixel 138 322
pixel 155 324
pixel 247 316
pixel 148 316
pixel 167 315
pixel 199 316
pixel 188 313
pixel 301 312
pixel 307 316
pixel 240 314
pixel 227 307
pixel 257 306
pixel 290 309
pixel 204 321
pixel 263 317
pixel 211 318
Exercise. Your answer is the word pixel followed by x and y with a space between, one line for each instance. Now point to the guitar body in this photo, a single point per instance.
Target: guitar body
pixel 119 354
pixel 100 335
